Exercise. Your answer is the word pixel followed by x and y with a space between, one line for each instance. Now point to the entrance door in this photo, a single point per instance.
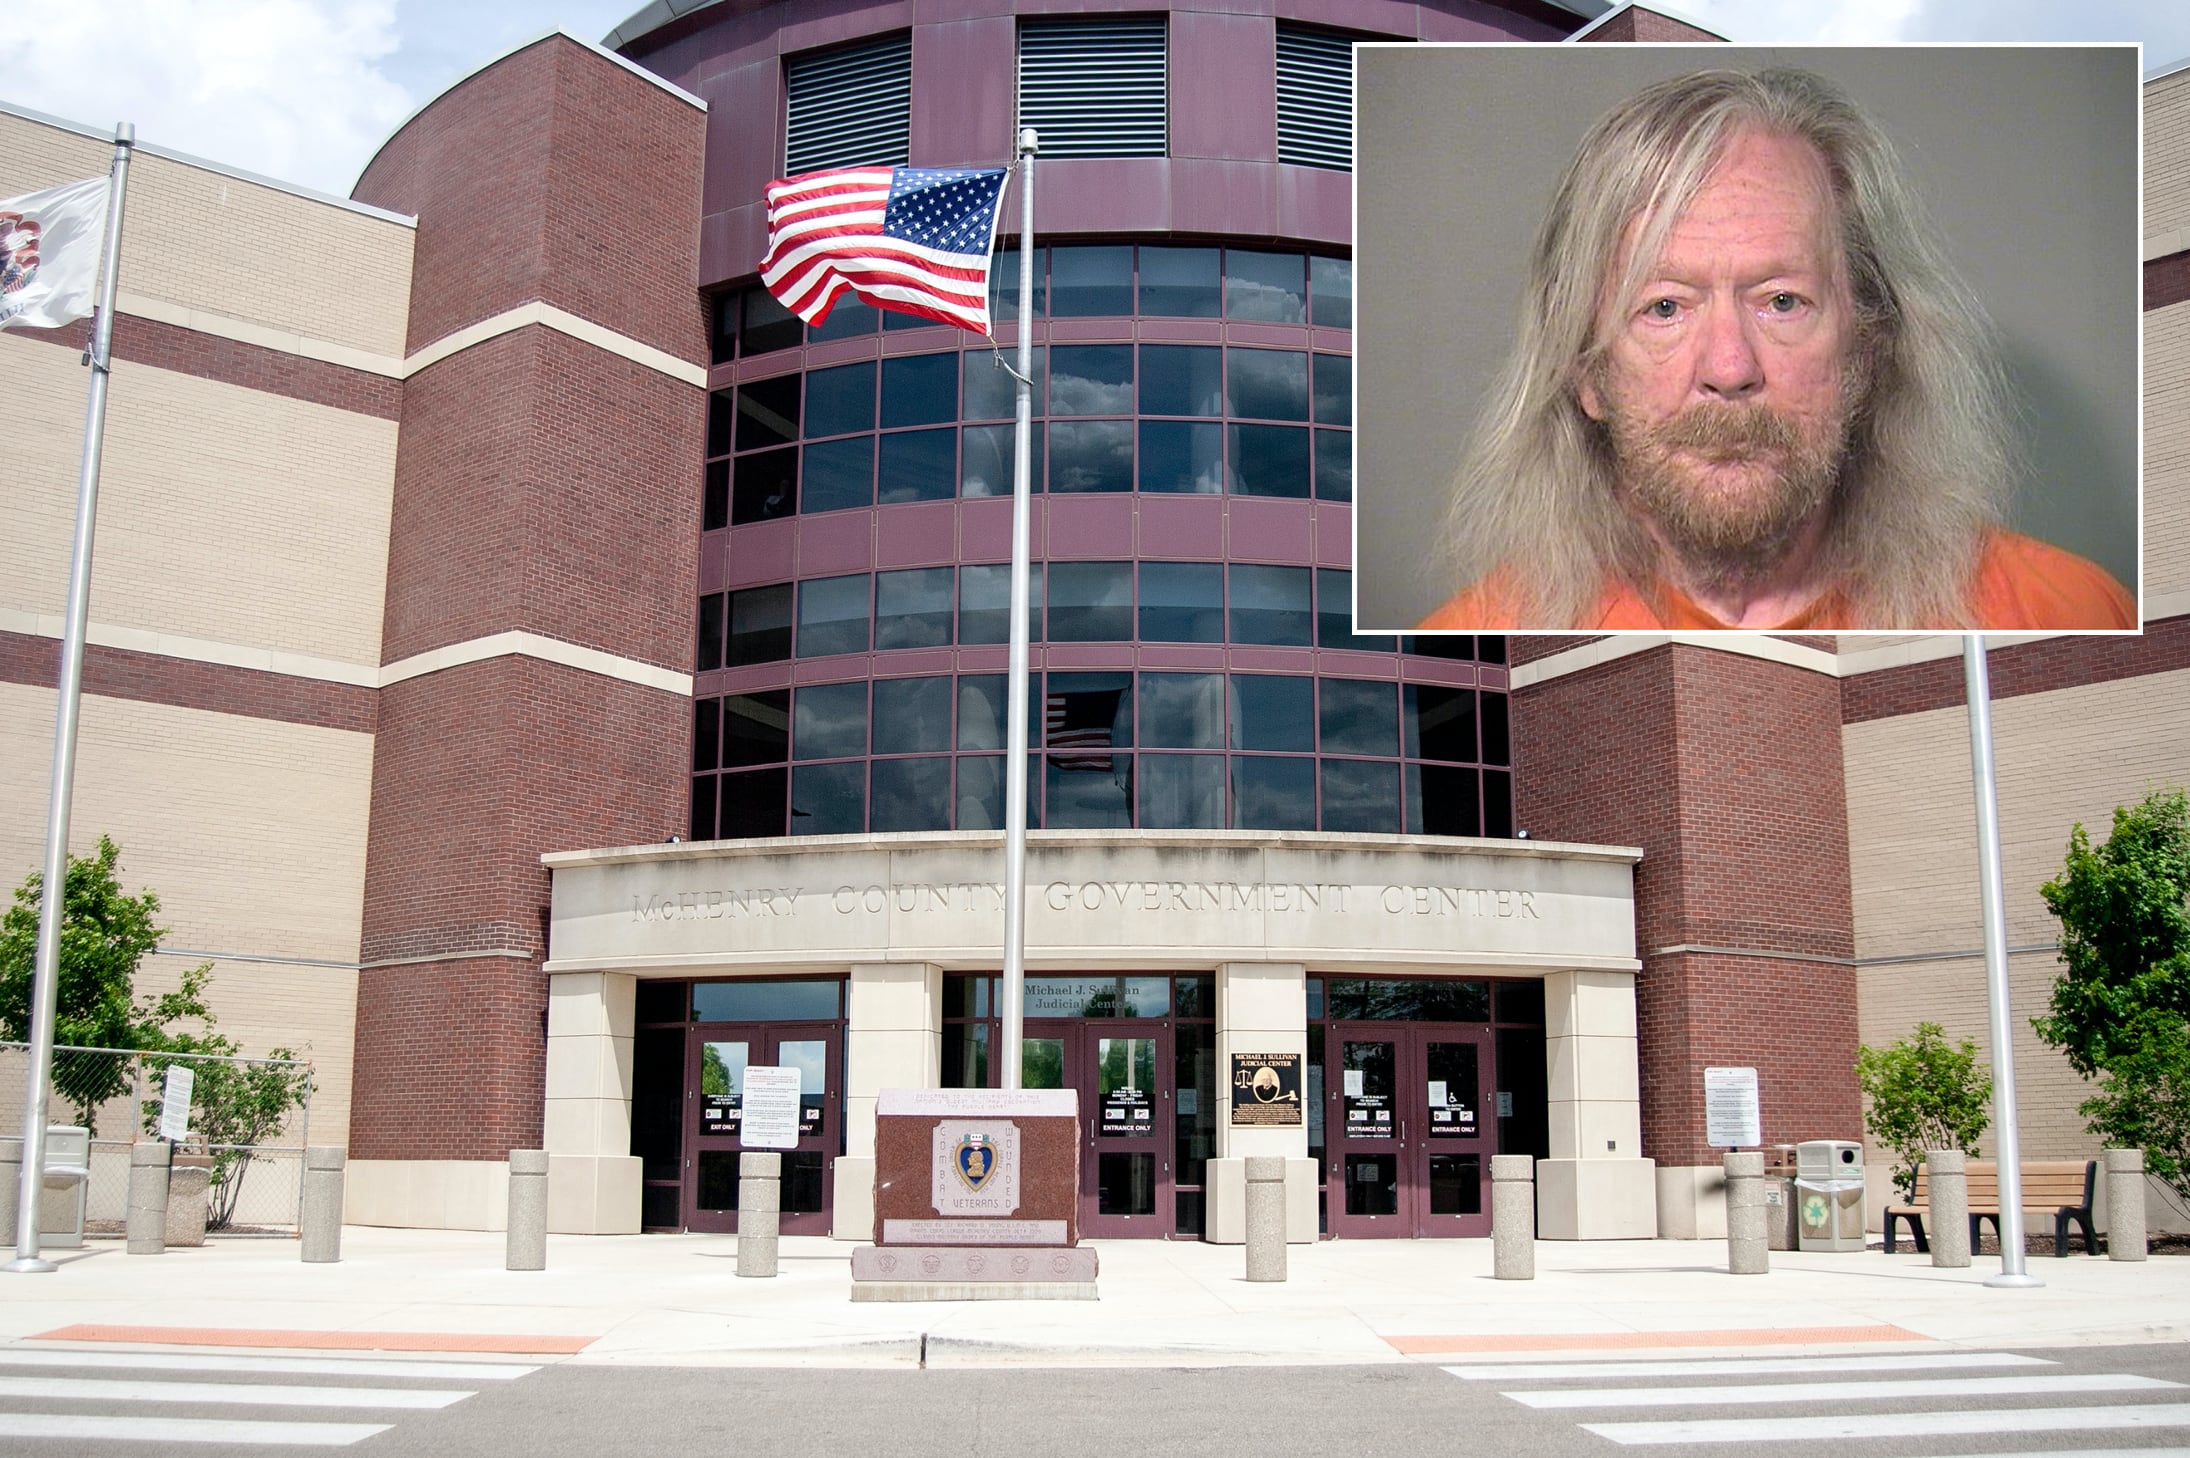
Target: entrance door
pixel 1122 1067
pixel 1407 1128
pixel 717 1057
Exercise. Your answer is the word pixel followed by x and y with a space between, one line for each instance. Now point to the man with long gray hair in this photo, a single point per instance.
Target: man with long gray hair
pixel 1748 392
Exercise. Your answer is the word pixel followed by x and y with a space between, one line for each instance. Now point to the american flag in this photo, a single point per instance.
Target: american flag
pixel 915 239
pixel 1081 728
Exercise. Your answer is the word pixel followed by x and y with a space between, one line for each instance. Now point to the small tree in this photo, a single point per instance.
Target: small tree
pixel 2120 1009
pixel 1924 1094
pixel 234 1106
pixel 104 935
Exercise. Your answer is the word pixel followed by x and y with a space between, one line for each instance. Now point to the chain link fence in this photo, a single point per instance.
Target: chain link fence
pixel 251 1115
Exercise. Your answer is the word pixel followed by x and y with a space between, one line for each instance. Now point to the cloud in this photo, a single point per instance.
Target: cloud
pixel 293 89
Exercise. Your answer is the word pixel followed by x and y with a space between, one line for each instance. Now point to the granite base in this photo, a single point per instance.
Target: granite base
pixel 972 1273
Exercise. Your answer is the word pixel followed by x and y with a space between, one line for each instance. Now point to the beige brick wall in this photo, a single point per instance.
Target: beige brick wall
pixel 2167 154
pixel 225 514
pixel 2061 758
pixel 203 240
pixel 253 834
pixel 2167 450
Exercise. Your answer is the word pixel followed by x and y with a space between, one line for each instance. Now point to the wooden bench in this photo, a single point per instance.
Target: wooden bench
pixel 2065 1185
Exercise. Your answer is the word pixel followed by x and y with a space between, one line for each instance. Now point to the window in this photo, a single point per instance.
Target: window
pixel 1094 87
pixel 1315 97
pixel 850 107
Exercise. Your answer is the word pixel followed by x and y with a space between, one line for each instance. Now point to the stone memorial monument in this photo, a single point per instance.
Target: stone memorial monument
pixel 976 1198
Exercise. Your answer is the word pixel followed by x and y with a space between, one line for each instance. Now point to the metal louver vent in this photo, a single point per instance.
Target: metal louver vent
pixel 1094 88
pixel 1315 98
pixel 850 108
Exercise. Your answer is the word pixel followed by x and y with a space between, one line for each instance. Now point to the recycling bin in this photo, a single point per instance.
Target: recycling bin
pixel 1829 1195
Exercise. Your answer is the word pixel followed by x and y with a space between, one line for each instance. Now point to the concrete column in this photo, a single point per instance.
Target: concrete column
pixel 760 1201
pixel 1262 1007
pixel 525 1243
pixel 1748 1244
pixel 2124 1204
pixel 1596 1185
pixel 1946 1183
pixel 1265 1217
pixel 322 1217
pixel 1513 1217
pixel 893 1035
pixel 586 1121
pixel 146 1223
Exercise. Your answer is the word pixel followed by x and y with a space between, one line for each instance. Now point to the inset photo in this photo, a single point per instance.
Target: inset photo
pixel 1683 338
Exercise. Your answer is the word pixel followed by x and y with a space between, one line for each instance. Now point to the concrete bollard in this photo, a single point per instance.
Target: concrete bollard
pixel 2125 1204
pixel 1265 1217
pixel 1513 1217
pixel 1748 1242
pixel 146 1223
pixel 188 1176
pixel 760 1202
pixel 526 1245
pixel 11 1186
pixel 322 1218
pixel 1946 1177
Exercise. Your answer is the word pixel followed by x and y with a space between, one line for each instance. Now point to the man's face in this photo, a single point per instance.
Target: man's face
pixel 1726 382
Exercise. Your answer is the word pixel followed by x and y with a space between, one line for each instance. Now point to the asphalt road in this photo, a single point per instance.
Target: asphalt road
pixel 2050 1402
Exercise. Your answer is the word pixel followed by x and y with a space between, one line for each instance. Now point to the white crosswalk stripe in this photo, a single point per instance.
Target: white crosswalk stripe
pixel 38 1383
pixel 1841 1395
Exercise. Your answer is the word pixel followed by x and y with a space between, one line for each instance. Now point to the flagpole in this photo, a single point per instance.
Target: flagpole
pixel 1015 721
pixel 53 895
pixel 2007 1142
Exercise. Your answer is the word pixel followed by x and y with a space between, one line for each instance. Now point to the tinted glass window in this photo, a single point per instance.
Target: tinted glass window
pixel 1182 379
pixel 1334 389
pixel 756 729
pixel 829 720
pixel 1495 748
pixel 760 625
pixel 920 389
pixel 1270 605
pixel 990 391
pixel 1091 455
pixel 1266 460
pixel 1334 614
pixel 832 616
pixel 1182 602
pixel 1331 286
pixel 764 485
pixel 840 400
pixel 919 465
pixel 768 325
pixel 753 803
pixel 707 734
pixel 1442 800
pixel 1361 795
pixel 1087 721
pixel 710 649
pixel 1439 723
pixel 912 715
pixel 848 319
pixel 1497 802
pixel 768 412
pixel 1182 710
pixel 1087 281
pixel 1182 791
pixel 1091 379
pixel 983 705
pixel 721 417
pixel 1181 282
pixel 1334 465
pixel 1273 794
pixel 1090 601
pixel 1182 456
pixel 911 794
pixel 984 602
pixel 715 498
pixel 722 331
pixel 829 799
pixel 913 609
pixel 1360 718
pixel 758 1001
pixel 1004 283
pixel 1270 712
pixel 839 475
pixel 1269 286
pixel 1269 384
pixel 705 791
pixel 986 465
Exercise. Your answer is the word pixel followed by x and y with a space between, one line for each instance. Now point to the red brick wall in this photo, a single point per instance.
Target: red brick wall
pixel 554 175
pixel 232 362
pixel 219 688
pixel 545 485
pixel 2023 668
pixel 1637 24
pixel 1727 772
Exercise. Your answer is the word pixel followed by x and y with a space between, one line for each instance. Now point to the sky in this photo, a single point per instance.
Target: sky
pixel 305 91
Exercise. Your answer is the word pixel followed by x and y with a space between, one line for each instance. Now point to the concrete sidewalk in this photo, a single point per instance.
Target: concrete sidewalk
pixel 674 1299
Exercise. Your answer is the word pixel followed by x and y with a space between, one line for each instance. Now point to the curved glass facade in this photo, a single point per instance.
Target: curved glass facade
pixel 1196 664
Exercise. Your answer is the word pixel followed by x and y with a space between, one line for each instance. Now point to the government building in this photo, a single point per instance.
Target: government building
pixel 546 678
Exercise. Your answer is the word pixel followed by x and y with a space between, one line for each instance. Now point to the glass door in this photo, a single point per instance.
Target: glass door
pixel 1406 1136
pixel 715 1082
pixel 1452 1164
pixel 1122 1068
pixel 1365 1131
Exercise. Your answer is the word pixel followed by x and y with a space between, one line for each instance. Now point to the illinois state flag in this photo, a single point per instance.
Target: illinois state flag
pixel 916 239
pixel 49 253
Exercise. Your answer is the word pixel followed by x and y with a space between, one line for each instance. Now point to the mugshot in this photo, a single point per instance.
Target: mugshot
pixel 1688 338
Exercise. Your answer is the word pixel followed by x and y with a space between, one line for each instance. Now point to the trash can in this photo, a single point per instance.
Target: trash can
pixel 65 1187
pixel 1779 1197
pixel 1829 1194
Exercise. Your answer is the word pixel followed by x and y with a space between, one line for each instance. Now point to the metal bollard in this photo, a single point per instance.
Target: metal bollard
pixel 760 1200
pixel 1265 1217
pixel 1748 1243
pixel 526 1245
pixel 146 1224
pixel 1946 1177
pixel 322 1217
pixel 1513 1217
pixel 2125 1205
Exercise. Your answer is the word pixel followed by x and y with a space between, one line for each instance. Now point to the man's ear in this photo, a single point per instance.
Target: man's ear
pixel 1585 391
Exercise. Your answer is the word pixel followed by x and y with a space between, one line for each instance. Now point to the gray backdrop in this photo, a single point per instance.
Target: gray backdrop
pixel 2026 157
